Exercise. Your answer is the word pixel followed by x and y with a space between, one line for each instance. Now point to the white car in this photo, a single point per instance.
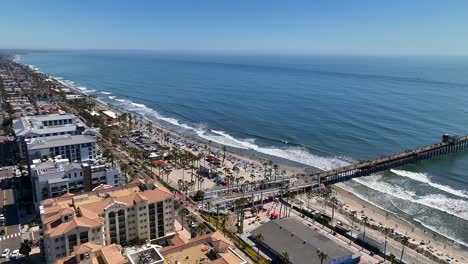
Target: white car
pixel 5 253
pixel 15 254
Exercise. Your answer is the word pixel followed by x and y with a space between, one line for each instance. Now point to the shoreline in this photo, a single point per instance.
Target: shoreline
pixel 379 215
pixel 230 150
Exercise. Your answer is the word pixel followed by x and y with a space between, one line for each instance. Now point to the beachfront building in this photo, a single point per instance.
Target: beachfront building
pixel 300 242
pixel 31 127
pixel 138 211
pixel 111 118
pixel 72 147
pixel 56 177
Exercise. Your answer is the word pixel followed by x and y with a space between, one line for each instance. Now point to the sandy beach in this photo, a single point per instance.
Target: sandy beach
pixel 437 245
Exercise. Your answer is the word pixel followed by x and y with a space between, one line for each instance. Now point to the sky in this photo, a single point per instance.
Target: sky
pixel 401 27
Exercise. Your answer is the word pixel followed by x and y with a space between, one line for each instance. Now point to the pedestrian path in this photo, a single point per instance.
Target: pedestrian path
pixel 10 236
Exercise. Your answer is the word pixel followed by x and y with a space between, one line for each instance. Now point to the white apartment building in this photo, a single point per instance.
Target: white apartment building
pixel 138 211
pixel 42 126
pixel 73 147
pixel 53 178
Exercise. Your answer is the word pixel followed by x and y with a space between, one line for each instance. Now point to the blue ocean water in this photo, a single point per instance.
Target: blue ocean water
pixel 321 111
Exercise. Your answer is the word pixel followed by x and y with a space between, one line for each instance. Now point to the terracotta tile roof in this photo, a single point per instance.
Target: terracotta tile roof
pixel 74 223
pixel 218 236
pixel 86 248
pixel 151 196
pixel 211 237
pixel 111 255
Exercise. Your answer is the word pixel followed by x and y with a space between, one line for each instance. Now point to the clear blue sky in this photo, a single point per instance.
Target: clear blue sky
pixel 424 27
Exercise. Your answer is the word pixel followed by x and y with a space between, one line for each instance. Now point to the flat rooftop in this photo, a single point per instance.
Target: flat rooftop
pixel 300 241
pixel 57 141
pixel 145 256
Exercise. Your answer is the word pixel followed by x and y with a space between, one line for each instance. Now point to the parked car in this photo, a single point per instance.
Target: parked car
pixel 5 253
pixel 15 254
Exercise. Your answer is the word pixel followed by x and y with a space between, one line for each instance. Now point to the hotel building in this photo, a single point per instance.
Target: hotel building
pixel 138 211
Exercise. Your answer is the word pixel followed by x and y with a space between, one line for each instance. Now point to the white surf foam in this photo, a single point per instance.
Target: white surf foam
pixel 82 88
pixel 139 105
pixel 106 92
pixel 112 97
pixel 119 100
pixel 443 231
pixel 424 178
pixel 456 207
pixel 296 154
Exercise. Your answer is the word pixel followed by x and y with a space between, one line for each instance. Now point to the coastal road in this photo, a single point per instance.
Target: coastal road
pixel 11 238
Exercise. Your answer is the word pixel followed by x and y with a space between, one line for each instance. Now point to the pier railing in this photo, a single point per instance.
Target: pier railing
pixel 450 144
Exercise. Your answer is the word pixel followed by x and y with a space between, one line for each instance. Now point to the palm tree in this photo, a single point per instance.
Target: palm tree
pixel 180 184
pixel 322 256
pixel 276 168
pixel 124 168
pixel 364 233
pixel 264 170
pixel 284 257
pixel 224 154
pixel 392 258
pixel 259 239
pixel 253 178
pixel 190 220
pixel 208 208
pixel 270 164
pixel 386 234
pixel 353 214
pixel 217 215
pixel 183 213
pixel 404 242
pixel 200 229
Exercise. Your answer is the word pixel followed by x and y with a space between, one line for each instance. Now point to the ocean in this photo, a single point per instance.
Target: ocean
pixel 320 111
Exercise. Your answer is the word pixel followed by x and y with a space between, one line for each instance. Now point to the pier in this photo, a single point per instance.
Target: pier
pixel 450 144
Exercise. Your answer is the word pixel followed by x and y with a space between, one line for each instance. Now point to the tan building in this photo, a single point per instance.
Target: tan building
pixel 120 215
pixel 213 248
pixel 89 253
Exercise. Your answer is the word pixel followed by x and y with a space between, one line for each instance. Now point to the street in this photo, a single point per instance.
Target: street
pixel 11 239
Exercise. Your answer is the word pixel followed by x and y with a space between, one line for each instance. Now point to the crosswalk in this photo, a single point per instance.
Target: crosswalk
pixel 10 236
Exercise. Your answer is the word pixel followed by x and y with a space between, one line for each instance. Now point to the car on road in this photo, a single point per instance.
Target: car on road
pixel 5 253
pixel 15 254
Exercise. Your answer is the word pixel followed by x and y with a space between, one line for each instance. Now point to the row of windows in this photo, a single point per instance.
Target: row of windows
pixel 57 122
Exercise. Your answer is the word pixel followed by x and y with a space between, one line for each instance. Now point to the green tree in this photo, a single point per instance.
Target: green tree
pixel 322 256
pixel 124 167
pixel 200 229
pixel 190 220
pixel 25 248
pixel 404 242
pixel 183 212
pixel 224 153
pixel 199 196
pixel 284 257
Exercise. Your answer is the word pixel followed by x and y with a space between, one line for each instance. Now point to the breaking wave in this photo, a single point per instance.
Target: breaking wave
pixel 455 207
pixel 424 178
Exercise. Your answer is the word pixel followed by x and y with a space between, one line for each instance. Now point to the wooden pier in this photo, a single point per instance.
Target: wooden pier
pixel 450 144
